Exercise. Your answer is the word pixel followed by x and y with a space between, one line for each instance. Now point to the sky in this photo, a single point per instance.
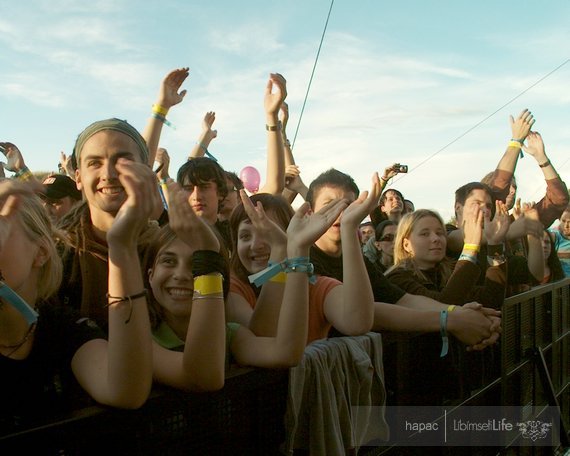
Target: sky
pixel 395 82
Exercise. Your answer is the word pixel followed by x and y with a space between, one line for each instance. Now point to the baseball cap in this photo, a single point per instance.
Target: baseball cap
pixel 59 186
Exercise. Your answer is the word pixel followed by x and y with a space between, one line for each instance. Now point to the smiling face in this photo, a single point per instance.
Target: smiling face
pixel 565 224
pixel 97 176
pixel 171 280
pixel 393 203
pixel 253 249
pixel 426 242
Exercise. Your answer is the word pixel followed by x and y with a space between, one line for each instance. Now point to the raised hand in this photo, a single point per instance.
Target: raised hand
pixel 520 127
pixel 496 230
pixel 168 94
pixel 207 122
pixel 305 228
pixel 11 192
pixel 190 228
pixel 265 226
pixel 535 146
pixel 139 183
pixel 65 165
pixel 472 225
pixel 366 202
pixel 163 158
pixel 275 94
pixel 517 211
pixel 15 160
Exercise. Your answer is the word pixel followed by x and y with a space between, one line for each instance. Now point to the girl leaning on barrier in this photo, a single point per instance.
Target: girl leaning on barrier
pixel 46 350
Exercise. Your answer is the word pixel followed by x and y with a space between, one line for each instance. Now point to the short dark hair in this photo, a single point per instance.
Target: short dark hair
pixel 380 228
pixel 200 170
pixel 331 178
pixel 384 196
pixel 463 192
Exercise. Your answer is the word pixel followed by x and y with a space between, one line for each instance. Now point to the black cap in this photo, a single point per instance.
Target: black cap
pixel 58 186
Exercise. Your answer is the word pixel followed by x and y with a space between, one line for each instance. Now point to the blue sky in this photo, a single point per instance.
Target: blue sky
pixel 395 81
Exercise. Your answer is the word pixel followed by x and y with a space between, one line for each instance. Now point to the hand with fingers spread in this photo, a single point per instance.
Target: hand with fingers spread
pixel 267 228
pixel 496 230
pixel 207 122
pixel 306 227
pixel 520 127
pixel 535 147
pixel 190 228
pixel 65 165
pixel 360 208
pixel 139 183
pixel 169 94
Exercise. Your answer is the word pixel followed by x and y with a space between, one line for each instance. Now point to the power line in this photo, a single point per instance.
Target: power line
pixel 485 119
pixel 312 74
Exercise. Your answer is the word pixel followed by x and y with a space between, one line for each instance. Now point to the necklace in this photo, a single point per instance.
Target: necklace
pixel 14 348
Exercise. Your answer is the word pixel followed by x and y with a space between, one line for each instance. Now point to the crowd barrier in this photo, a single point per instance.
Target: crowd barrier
pixel 530 367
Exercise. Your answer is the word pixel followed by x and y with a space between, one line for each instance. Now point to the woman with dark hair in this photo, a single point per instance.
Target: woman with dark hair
pixel 552 267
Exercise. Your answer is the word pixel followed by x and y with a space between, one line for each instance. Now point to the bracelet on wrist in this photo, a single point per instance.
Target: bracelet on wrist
pixel 545 164
pixel 273 127
pixel 161 110
pixel 119 299
pixel 467 257
pixel 163 120
pixel 208 285
pixel 208 154
pixel 473 247
pixel 298 264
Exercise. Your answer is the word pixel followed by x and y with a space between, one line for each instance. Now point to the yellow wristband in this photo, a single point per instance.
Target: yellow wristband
pixel 279 278
pixel 474 247
pixel 451 308
pixel 157 109
pixel 208 284
pixel 516 144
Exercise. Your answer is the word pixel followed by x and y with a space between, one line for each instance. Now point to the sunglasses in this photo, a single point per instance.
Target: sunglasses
pixel 387 238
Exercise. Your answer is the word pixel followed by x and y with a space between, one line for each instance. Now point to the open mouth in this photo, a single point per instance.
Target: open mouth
pixel 111 190
pixel 182 293
pixel 260 258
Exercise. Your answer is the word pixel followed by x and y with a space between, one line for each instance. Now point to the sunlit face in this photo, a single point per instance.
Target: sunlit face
pixel 97 175
pixel 427 242
pixel 203 198
pixel 20 261
pixel 325 196
pixel 366 232
pixel 253 248
pixel 546 244
pixel 386 243
pixel 171 280
pixel 565 224
pixel 477 197
pixel 392 203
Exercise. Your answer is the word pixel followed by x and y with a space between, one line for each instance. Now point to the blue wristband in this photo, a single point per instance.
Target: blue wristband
pixel 300 264
pixel 21 306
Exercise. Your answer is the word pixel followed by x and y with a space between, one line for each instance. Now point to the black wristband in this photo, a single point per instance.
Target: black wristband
pixel 207 261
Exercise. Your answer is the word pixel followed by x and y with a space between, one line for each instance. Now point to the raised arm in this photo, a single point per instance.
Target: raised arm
pixel 275 94
pixel 551 206
pixel 520 128
pixel 201 366
pixel 206 136
pixel 16 164
pixel 119 372
pixel 350 308
pixel 535 252
pixel 168 96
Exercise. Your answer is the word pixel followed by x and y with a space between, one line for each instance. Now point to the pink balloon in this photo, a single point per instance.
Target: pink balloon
pixel 250 178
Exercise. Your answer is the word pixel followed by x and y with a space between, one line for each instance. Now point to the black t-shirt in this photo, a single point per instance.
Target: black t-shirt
pixel 329 266
pixel 42 385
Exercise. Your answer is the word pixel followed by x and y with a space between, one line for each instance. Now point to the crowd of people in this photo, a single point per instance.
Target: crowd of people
pixel 115 276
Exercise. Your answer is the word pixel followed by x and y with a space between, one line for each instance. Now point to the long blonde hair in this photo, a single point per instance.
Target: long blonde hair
pixel 405 260
pixel 39 229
